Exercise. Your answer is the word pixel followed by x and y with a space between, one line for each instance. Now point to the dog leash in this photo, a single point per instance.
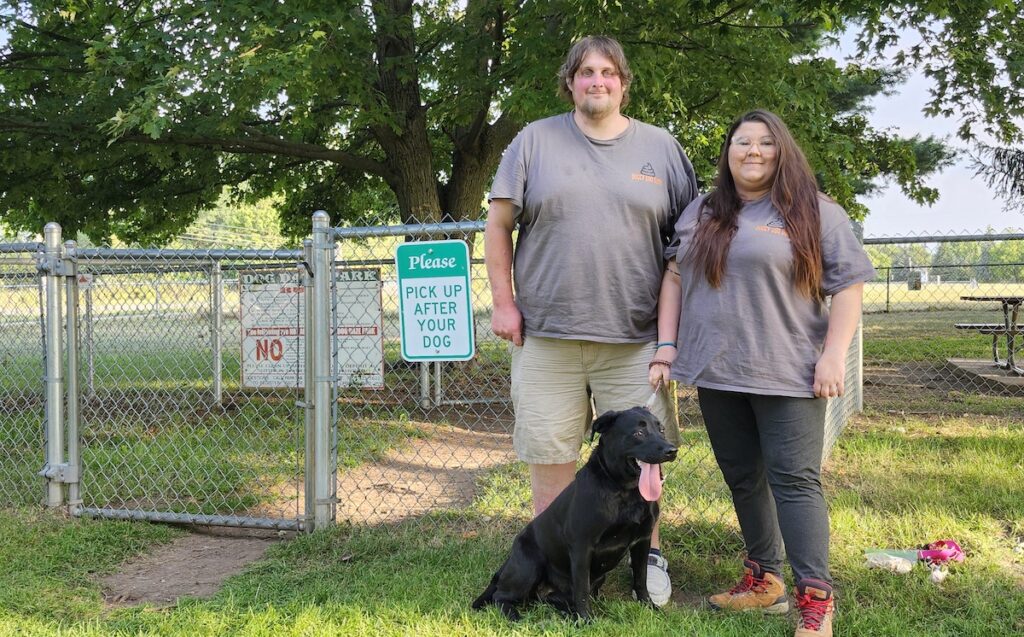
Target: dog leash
pixel 648 405
pixel 654 396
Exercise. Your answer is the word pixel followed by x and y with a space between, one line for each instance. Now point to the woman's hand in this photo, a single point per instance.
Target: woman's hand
pixel 660 366
pixel 844 314
pixel 829 375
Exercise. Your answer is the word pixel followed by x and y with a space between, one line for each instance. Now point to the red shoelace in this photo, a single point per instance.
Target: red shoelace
pixel 812 610
pixel 749 582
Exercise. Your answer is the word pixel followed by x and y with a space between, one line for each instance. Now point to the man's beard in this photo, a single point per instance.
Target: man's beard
pixel 597 110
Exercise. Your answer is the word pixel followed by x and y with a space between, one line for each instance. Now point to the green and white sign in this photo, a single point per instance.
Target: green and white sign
pixel 434 302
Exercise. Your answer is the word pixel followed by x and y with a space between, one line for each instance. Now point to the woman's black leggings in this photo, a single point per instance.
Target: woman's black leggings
pixel 769 450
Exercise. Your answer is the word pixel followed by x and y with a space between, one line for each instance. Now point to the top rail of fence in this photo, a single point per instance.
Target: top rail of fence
pixel 158 254
pixel 20 248
pixel 415 229
pixel 949 238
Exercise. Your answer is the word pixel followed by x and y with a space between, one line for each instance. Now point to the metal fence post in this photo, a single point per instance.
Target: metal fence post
pixel 425 401
pixel 309 354
pixel 74 398
pixel 54 380
pixel 323 256
pixel 216 329
pixel 438 389
pixel 888 283
pixel 156 295
pixel 90 363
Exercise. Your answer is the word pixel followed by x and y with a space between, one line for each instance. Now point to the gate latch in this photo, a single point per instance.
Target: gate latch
pixel 59 473
pixel 56 265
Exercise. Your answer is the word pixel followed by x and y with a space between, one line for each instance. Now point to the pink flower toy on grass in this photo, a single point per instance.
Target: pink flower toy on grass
pixel 936 556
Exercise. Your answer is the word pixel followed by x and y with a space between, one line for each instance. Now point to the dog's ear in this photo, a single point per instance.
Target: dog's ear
pixel 603 423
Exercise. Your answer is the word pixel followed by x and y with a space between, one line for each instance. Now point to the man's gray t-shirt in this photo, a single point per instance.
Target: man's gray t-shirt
pixel 594 217
pixel 755 333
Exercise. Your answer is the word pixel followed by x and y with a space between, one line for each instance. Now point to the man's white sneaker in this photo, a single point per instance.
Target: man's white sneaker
pixel 659 586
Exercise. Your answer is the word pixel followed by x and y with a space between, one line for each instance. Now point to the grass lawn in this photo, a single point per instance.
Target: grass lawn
pixel 926 336
pixel 935 459
pixel 893 481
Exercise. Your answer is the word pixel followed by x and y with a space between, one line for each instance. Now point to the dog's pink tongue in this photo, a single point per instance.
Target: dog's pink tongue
pixel 650 481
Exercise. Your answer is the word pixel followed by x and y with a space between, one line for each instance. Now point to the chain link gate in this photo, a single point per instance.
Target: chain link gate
pixel 170 428
pixel 22 373
pixel 161 423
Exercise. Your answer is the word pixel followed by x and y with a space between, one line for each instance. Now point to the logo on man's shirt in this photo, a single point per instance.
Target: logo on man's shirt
pixel 647 174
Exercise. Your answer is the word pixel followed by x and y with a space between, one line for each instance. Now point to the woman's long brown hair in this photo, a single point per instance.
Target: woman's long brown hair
pixel 794 194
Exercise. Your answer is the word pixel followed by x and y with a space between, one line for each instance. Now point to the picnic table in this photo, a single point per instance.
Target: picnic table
pixel 1009 328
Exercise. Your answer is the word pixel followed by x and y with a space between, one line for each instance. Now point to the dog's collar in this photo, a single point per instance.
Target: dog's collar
pixel 601 463
pixel 604 466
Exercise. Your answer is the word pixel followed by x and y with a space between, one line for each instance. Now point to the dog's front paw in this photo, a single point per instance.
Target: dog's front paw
pixel 584 619
pixel 644 598
pixel 583 614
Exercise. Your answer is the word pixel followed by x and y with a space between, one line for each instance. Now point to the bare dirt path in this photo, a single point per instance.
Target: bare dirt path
pixel 437 471
pixel 191 566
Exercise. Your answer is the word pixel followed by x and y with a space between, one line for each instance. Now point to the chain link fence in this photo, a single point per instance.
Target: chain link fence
pixel 123 389
pixel 204 393
pixel 444 429
pixel 22 361
pixel 940 322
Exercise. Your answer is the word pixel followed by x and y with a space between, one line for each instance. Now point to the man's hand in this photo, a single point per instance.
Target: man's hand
pixel 506 320
pixel 507 323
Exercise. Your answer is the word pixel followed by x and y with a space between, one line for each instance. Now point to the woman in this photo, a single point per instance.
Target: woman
pixel 743 299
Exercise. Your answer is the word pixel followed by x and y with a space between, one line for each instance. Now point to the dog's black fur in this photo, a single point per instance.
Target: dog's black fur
pixel 564 554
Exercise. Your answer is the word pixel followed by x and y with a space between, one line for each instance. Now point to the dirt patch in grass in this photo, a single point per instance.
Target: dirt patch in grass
pixel 192 566
pixel 435 472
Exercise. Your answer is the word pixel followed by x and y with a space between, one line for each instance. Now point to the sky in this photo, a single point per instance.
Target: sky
pixel 966 204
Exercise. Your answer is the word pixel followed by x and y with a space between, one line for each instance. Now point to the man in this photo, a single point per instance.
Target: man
pixel 595 196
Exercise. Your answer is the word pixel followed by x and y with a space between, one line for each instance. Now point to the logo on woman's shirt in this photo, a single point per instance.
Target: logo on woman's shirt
pixel 776 226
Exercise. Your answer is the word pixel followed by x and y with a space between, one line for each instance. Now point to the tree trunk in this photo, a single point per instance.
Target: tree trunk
pixel 476 157
pixel 409 159
pixel 404 138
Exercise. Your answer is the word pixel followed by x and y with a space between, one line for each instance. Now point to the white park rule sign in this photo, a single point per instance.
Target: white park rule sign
pixel 434 302
pixel 273 333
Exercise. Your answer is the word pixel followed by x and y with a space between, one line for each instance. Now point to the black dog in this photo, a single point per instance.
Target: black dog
pixel 564 554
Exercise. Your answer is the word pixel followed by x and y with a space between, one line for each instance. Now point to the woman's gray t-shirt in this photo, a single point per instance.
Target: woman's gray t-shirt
pixel 755 333
pixel 594 218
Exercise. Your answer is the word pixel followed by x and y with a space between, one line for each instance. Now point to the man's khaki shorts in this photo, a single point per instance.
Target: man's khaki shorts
pixel 550 377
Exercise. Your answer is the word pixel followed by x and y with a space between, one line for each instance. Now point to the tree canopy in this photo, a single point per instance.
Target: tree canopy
pixel 1003 170
pixel 129 117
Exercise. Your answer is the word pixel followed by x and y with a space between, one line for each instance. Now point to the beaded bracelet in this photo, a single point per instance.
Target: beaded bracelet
pixel 653 363
pixel 665 344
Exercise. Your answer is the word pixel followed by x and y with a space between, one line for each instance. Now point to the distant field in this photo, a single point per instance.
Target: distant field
pixel 926 336
pixel 898 298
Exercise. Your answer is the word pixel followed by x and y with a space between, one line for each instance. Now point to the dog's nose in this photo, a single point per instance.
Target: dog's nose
pixel 671 452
